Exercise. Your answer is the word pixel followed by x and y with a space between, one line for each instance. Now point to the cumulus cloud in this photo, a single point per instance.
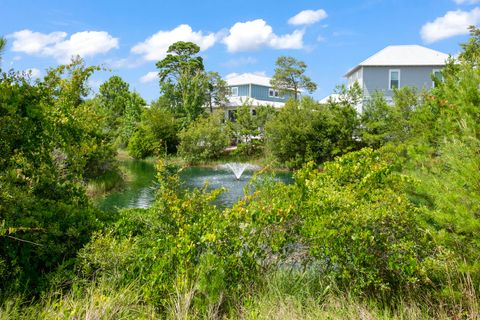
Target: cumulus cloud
pixel 56 44
pixel 466 1
pixel 149 77
pixel 453 23
pixel 234 63
pixel 252 35
pixel 155 47
pixel 34 72
pixel 308 17
pixel 30 42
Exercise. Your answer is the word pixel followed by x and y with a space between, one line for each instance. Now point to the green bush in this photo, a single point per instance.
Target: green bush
pixel 185 244
pixel 142 145
pixel 155 135
pixel 360 225
pixel 205 139
pixel 310 132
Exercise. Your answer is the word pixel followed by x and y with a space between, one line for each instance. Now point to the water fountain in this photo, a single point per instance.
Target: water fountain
pixel 238 168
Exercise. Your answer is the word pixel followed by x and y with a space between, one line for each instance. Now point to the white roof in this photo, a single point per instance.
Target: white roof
pixel 334 97
pixel 248 78
pixel 239 101
pixel 404 55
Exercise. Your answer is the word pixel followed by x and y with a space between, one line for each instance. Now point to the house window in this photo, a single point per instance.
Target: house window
pixel 437 74
pixel 234 91
pixel 273 93
pixel 393 79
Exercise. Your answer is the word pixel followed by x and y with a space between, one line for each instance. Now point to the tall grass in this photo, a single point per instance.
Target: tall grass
pixel 95 301
pixel 285 295
pixel 306 295
pixel 109 181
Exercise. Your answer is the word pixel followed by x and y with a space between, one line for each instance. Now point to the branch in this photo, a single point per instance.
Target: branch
pixel 26 241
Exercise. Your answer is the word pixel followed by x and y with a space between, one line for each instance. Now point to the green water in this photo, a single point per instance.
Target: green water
pixel 140 191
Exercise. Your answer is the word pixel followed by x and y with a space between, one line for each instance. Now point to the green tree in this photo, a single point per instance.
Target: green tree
pixel 376 120
pixel 48 138
pixel 122 109
pixel 204 139
pixel 383 123
pixel 3 44
pixel 308 131
pixel 249 127
pixel 156 134
pixel 183 80
pixel 471 49
pixel 217 90
pixel 289 76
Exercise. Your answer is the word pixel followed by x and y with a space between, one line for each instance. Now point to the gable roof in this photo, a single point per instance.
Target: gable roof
pixel 248 78
pixel 404 55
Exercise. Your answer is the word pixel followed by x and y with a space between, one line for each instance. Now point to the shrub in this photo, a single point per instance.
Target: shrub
pixel 156 134
pixel 205 139
pixel 310 132
pixel 360 225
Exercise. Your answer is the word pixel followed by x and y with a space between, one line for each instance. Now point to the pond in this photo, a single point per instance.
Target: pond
pixel 140 190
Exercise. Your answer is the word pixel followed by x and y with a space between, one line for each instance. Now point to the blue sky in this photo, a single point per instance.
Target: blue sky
pixel 235 37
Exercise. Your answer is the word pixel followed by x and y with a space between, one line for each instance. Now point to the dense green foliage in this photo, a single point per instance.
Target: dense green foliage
pixel 183 81
pixel 248 129
pixel 389 227
pixel 156 134
pixel 205 139
pixel 308 131
pixel 122 109
pixel 49 146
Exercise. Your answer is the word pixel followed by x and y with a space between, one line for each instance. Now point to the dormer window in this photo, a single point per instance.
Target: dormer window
pixel 234 91
pixel 393 79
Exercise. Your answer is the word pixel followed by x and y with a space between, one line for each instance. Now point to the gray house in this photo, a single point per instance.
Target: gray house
pixel 253 90
pixel 396 67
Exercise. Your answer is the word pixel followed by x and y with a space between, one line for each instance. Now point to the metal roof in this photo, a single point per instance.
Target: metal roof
pixel 404 55
pixel 249 78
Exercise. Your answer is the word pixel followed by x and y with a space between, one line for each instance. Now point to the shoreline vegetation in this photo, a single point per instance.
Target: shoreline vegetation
pixel 117 180
pixel 381 220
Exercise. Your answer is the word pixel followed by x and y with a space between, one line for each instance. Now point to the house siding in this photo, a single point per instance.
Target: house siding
pixel 377 78
pixel 259 92
pixel 242 90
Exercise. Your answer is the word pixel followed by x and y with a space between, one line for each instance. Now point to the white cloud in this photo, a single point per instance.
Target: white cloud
pixel 34 72
pixel 95 84
pixel 251 35
pixel 55 44
pixel 155 47
pixel 30 42
pixel 149 77
pixel 85 44
pixel 466 1
pixel 124 63
pixel 308 17
pixel 453 23
pixel 234 63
